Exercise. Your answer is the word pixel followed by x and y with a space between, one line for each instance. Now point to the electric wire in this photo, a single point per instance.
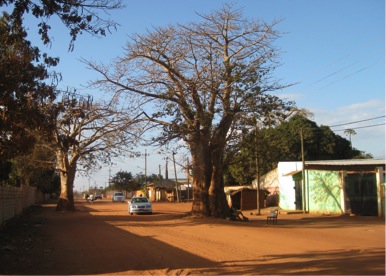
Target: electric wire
pixel 382 124
pixel 365 120
pixel 349 75
pixel 367 53
pixel 348 66
pixel 349 123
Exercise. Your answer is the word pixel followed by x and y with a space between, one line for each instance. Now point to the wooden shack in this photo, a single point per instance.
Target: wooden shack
pixel 246 198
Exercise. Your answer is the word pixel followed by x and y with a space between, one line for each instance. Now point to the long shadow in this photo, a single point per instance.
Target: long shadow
pixel 80 243
pixel 325 222
pixel 73 244
pixel 354 262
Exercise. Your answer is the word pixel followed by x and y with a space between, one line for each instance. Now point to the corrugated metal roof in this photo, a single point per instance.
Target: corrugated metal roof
pixel 348 162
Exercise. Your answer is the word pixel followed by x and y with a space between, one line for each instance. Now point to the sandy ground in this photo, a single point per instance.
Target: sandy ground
pixel 104 239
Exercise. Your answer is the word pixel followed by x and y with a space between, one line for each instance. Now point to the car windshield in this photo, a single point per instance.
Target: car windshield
pixel 139 199
pixel 118 194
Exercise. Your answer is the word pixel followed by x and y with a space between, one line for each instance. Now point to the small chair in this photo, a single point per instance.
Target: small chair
pixel 273 213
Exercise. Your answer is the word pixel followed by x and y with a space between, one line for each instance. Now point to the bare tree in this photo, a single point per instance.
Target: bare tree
pixel 86 134
pixel 204 82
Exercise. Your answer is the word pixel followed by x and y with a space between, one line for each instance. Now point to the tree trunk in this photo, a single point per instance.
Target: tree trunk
pixel 217 199
pixel 201 178
pixel 209 197
pixel 67 177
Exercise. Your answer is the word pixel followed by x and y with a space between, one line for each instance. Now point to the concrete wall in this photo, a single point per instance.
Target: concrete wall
pixel 270 182
pixel 13 200
pixel 286 183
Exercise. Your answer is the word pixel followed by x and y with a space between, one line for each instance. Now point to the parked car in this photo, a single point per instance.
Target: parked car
pixel 139 205
pixel 118 197
pixel 97 196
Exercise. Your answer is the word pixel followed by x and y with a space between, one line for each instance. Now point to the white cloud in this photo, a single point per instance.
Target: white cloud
pixel 370 135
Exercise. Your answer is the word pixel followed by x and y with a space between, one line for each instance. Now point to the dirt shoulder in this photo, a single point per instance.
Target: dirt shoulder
pixel 104 239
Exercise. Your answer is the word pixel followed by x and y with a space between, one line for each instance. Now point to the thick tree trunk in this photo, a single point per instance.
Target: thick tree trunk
pixel 209 196
pixel 67 177
pixel 201 179
pixel 217 199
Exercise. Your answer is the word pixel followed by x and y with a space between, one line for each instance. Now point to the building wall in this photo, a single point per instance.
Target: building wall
pixel 13 200
pixel 287 184
pixel 329 192
pixel 324 193
pixel 270 182
pixel 323 189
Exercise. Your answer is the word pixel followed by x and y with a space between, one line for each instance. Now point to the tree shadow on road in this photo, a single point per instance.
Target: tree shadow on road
pixel 349 262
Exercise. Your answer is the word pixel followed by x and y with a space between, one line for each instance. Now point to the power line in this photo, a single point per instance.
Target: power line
pixel 347 76
pixel 350 123
pixel 346 67
pixel 355 52
pixel 382 124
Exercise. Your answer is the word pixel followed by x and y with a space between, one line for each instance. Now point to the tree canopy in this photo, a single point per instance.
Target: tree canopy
pixel 86 134
pixel 261 149
pixel 25 79
pixel 123 180
pixel 78 16
pixel 23 88
pixel 27 86
pixel 204 82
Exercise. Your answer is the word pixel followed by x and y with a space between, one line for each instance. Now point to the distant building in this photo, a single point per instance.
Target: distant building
pixel 166 190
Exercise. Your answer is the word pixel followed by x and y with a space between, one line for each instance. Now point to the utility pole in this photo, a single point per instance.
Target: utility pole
pixel 187 175
pixel 166 169
pixel 110 175
pixel 175 176
pixel 303 172
pixel 145 166
pixel 257 172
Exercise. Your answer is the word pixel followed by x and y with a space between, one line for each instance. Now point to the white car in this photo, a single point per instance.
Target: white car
pixel 118 197
pixel 139 205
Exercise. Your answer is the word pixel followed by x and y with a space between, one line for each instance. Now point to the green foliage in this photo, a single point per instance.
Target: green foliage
pixel 5 169
pixel 123 180
pixel 35 169
pixel 283 143
pixel 78 16
pixel 23 70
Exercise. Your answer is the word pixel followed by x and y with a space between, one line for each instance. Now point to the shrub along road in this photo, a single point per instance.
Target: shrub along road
pixel 104 239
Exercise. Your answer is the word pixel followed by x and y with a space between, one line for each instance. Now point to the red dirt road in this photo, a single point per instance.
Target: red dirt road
pixel 104 239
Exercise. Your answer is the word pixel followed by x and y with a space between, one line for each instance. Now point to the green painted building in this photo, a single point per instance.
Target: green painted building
pixel 332 186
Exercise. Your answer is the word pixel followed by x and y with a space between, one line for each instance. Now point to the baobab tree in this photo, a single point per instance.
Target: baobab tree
pixel 86 134
pixel 204 83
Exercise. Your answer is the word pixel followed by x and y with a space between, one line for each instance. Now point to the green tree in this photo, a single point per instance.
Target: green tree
pixel 283 143
pixel 78 16
pixel 123 180
pixel 24 77
pixel 205 81
pixel 25 81
pixel 36 169
pixel 23 72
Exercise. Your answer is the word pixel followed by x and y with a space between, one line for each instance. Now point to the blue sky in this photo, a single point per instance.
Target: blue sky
pixel 334 50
